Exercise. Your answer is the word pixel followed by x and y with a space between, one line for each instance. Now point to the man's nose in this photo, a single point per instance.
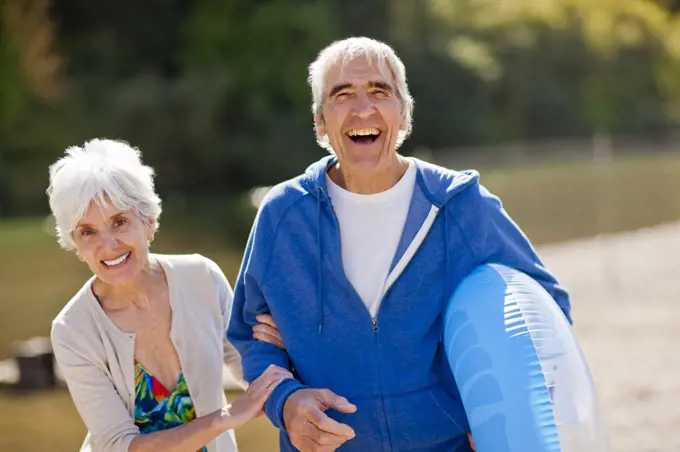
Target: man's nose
pixel 363 107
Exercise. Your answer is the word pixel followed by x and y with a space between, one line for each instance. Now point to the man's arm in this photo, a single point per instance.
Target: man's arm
pixel 496 239
pixel 257 356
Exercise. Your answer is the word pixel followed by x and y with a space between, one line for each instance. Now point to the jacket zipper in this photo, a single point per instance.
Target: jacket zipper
pixel 374 320
pixel 430 219
pixel 376 328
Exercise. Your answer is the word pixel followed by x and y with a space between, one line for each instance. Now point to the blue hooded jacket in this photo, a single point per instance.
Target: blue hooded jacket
pixel 392 367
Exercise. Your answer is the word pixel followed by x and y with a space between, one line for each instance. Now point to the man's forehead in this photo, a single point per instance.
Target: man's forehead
pixel 358 71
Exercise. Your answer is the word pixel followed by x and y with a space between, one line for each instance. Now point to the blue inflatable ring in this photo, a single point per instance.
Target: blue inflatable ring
pixel 523 380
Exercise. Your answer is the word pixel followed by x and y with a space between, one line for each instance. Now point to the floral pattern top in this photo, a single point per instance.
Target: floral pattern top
pixel 156 408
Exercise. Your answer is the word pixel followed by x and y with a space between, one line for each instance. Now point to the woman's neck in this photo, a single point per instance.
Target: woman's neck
pixel 136 293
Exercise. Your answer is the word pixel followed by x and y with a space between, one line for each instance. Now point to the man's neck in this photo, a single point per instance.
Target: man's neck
pixel 369 182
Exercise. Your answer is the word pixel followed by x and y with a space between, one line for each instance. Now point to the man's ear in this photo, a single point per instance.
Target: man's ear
pixel 403 125
pixel 320 125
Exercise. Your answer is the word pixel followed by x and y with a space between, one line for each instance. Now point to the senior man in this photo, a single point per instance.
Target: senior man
pixel 355 260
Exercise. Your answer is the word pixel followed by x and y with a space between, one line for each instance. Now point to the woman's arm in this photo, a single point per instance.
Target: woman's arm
pixel 184 438
pixel 108 420
pixel 199 432
pixel 94 395
pixel 265 331
pixel 225 294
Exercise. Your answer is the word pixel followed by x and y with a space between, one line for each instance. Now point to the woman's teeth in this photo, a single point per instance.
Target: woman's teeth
pixel 117 261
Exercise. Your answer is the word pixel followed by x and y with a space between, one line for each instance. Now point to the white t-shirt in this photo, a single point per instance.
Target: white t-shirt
pixel 370 230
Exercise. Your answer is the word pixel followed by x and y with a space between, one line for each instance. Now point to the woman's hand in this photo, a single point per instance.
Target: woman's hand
pixel 250 405
pixel 267 331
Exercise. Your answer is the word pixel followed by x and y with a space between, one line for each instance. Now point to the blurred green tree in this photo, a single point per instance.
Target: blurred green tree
pixel 214 91
pixel 567 67
pixel 30 81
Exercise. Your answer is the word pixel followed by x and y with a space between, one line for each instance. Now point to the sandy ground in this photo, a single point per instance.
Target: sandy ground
pixel 625 292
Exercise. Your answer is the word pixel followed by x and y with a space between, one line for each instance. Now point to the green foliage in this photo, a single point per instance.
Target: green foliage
pixel 214 92
pixel 226 100
pixel 568 67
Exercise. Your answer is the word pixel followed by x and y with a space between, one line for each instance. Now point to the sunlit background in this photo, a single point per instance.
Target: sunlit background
pixel 569 108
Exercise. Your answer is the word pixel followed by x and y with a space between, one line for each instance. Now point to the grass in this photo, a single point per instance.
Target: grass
pixel 563 201
pixel 48 421
pixel 551 203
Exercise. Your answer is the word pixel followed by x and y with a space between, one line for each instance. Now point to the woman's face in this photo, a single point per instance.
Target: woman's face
pixel 114 243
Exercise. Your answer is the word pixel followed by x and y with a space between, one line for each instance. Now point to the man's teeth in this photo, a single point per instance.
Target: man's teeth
pixel 363 132
pixel 119 260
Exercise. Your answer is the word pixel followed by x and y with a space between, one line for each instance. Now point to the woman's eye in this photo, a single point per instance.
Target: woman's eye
pixel 120 222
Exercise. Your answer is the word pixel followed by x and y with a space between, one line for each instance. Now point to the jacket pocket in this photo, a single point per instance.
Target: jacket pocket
pixel 426 420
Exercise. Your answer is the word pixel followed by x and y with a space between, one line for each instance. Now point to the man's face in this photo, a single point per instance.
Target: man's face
pixel 361 114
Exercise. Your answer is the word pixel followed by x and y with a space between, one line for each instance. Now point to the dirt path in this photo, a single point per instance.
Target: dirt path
pixel 626 305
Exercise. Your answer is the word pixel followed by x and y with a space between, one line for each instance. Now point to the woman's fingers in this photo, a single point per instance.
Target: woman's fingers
pixel 266 333
pixel 266 319
pixel 265 384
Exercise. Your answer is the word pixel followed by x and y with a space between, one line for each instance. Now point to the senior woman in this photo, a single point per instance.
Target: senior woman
pixel 141 345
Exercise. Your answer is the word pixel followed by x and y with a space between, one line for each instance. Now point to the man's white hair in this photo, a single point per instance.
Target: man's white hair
pixel 100 171
pixel 376 52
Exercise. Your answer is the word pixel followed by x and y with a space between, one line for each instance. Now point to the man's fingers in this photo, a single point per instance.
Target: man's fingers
pixel 472 441
pixel 332 400
pixel 321 437
pixel 307 444
pixel 330 426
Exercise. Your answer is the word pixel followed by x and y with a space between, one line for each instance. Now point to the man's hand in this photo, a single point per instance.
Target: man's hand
pixel 472 442
pixel 309 428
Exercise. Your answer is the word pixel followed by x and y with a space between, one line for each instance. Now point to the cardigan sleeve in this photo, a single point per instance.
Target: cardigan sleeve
pixel 231 356
pixel 100 406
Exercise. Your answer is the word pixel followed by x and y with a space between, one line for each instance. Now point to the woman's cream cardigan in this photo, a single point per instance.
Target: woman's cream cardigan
pixel 96 358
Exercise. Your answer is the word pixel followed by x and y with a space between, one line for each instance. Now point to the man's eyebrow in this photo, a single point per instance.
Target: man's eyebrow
pixel 337 88
pixel 381 85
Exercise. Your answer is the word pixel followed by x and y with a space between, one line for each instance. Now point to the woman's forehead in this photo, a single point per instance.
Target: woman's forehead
pixel 101 210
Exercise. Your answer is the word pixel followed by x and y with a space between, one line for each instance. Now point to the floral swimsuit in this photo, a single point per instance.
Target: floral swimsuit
pixel 156 408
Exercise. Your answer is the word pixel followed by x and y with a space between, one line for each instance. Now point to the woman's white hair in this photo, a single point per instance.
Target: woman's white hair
pixel 376 52
pixel 100 171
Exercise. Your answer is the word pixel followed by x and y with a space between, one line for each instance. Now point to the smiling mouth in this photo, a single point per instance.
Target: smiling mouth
pixel 364 136
pixel 118 261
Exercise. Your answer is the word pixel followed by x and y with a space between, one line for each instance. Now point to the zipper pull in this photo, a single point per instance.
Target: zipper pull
pixel 375 325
